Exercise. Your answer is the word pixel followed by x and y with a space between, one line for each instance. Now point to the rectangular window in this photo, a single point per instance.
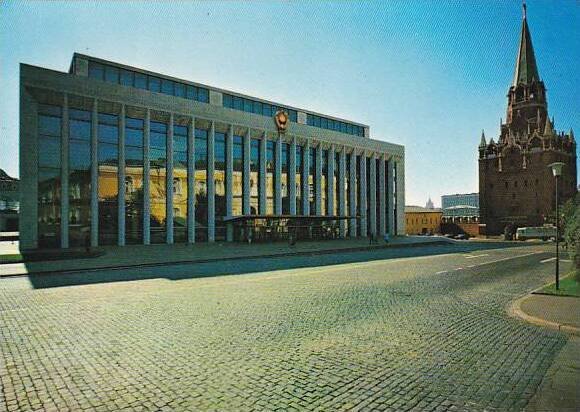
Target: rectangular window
pixel 238 103
pixel 203 95
pixel 220 184
pixel 179 90
pixel 312 180
pixel 167 87
pixel 108 187
pixel 179 194
pixel 258 107
pixel 96 71
pixel 49 135
pixel 238 168
pixel 285 164
pixel 191 93
pixel 227 100
pixel 270 176
pixel 254 176
pixel 298 179
pixel 248 106
pixel 127 78
pixel 140 81
pixel 201 184
pixel 112 74
pixel 157 181
pixel 134 196
pixel 154 84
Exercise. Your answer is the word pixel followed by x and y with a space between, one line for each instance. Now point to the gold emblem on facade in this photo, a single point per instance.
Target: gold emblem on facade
pixel 281 119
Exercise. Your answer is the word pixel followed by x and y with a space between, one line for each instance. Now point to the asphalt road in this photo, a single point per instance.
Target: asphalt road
pixel 418 328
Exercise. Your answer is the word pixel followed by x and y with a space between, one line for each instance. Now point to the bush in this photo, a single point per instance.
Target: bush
pixel 571 230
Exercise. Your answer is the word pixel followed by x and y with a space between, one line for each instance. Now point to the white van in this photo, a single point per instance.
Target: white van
pixel 542 232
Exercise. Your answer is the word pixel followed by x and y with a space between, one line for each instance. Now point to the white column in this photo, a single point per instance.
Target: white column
pixel 230 181
pixel 146 181
pixel 95 174
pixel 211 183
pixel 342 191
pixel 246 175
pixel 318 179
pixel 169 183
pixel 262 176
pixel 305 183
pixel 382 197
pixel 330 182
pixel 373 195
pixel 352 194
pixel 390 198
pixel 121 181
pixel 363 195
pixel 64 200
pixel 278 176
pixel 292 176
pixel 191 182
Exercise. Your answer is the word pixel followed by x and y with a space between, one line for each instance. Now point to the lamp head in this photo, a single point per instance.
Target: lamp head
pixel 556 168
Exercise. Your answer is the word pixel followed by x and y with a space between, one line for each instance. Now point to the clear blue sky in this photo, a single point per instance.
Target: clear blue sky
pixel 426 74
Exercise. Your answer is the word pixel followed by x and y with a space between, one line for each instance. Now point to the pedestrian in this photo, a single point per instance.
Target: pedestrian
pixel 386 238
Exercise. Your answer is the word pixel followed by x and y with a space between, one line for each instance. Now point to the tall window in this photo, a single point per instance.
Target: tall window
pixel 387 187
pixel 157 182
pixel 108 165
pixel 79 180
pixel 254 176
pixel 358 179
pixel 49 135
pixel 238 170
pixel 312 179
pixel 134 195
pixel 377 192
pixel 270 184
pixel 299 166
pixel 347 190
pixel 180 183
pixel 335 182
pixel 284 178
pixel 220 184
pixel 324 183
pixel 200 184
pixel 368 190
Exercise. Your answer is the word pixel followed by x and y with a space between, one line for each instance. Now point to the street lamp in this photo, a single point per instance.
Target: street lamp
pixel 557 172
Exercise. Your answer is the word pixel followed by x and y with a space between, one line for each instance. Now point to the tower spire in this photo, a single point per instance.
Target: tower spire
pixel 526 68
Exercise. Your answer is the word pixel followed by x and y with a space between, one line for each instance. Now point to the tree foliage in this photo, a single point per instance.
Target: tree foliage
pixel 571 226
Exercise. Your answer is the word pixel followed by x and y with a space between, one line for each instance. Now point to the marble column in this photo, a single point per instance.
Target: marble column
pixel 352 195
pixel 330 182
pixel 262 175
pixel 363 195
pixel 292 176
pixel 318 179
pixel 305 182
pixel 382 197
pixel 390 197
pixel 229 181
pixel 246 174
pixel 373 195
pixel 342 191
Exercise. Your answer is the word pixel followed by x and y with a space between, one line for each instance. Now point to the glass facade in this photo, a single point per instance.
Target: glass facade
pixel 180 210
pixel 158 181
pixel 238 170
pixel 358 179
pixel 368 189
pixel 270 183
pixel 253 106
pixel 336 125
pixel 347 190
pixel 79 179
pixel 139 80
pixel 108 177
pixel 299 166
pixel 312 180
pixel 335 183
pixel 134 210
pixel 284 178
pixel 200 185
pixel 324 183
pixel 254 176
pixel 377 192
pixel 49 190
pixel 220 184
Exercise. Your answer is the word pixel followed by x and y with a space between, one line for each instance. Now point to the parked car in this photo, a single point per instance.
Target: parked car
pixel 461 236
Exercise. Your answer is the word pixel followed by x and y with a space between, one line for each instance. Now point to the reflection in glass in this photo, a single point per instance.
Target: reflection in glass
pixel 347 190
pixel 49 134
pixel 108 190
pixel 377 191
pixel 324 180
pixel 270 150
pixel 368 190
pixel 335 183
pixel 200 185
pixel 238 168
pixel 134 180
pixel 254 176
pixel 284 178
pixel 299 166
pixel 220 184
pixel 79 180
pixel 180 183
pixel 157 181
pixel 312 180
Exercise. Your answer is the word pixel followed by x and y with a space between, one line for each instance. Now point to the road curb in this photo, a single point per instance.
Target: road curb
pixel 516 311
pixel 230 258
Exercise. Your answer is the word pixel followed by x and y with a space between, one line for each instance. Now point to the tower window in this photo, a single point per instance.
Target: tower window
pixel 507 184
pixel 516 184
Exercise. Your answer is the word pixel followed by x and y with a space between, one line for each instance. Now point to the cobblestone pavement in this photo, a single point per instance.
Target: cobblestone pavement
pixel 426 333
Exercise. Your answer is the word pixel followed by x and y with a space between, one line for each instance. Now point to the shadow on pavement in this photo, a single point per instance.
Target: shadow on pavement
pixel 180 271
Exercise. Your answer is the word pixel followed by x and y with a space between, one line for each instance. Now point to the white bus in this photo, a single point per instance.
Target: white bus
pixel 542 232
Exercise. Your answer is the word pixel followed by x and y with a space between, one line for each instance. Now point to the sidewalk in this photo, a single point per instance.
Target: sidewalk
pixel 153 255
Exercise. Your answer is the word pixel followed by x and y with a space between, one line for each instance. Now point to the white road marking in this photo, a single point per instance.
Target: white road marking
pixel 471 266
pixel 441 272
pixel 458 269
pixel 547 260
pixel 475 256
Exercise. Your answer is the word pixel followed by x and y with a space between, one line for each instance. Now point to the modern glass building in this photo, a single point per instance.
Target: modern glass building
pixel 463 205
pixel 115 155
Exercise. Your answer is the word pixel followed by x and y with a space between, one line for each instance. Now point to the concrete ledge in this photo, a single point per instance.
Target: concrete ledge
pixel 230 258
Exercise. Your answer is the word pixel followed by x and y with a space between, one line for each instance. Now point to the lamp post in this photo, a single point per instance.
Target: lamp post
pixel 557 172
